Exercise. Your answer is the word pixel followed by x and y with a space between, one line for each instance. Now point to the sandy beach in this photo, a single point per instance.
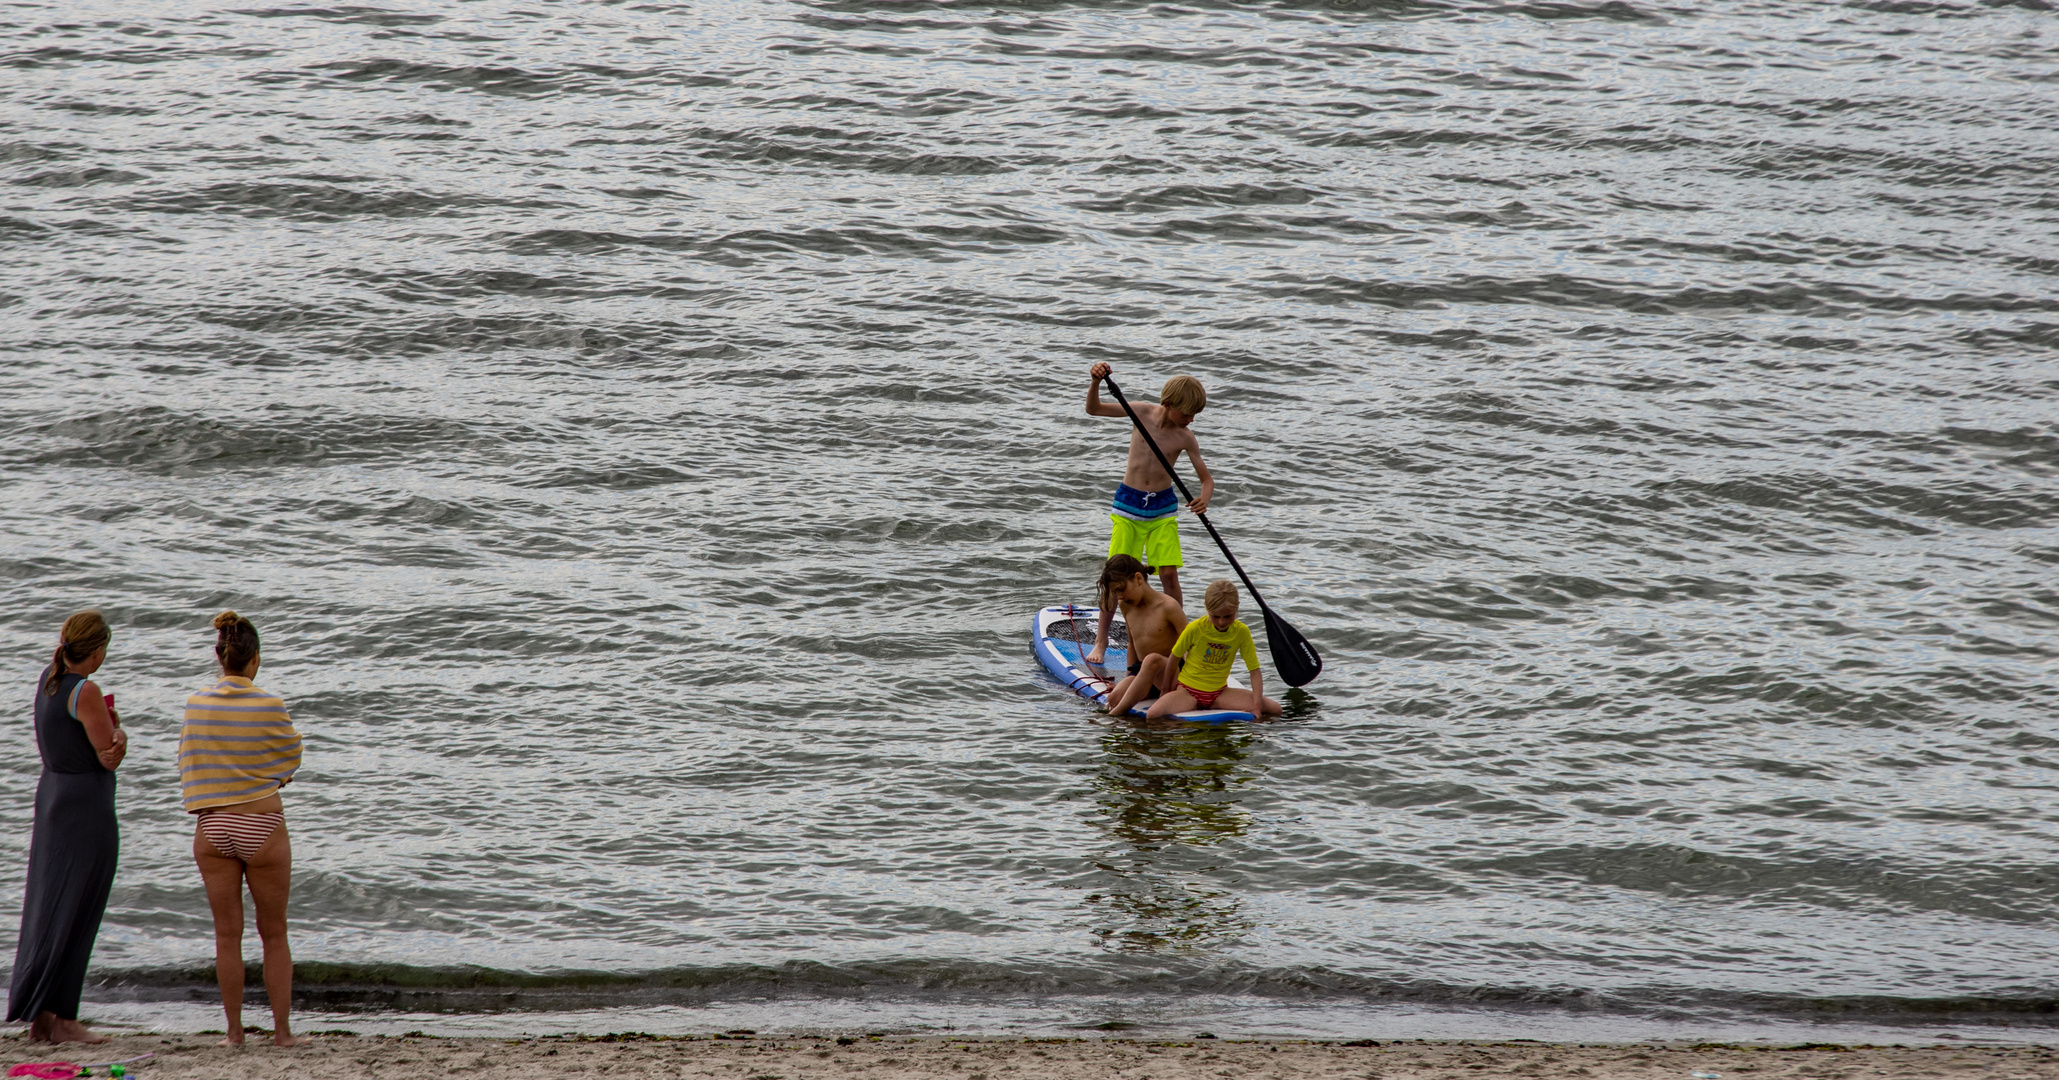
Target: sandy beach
pixel 746 1057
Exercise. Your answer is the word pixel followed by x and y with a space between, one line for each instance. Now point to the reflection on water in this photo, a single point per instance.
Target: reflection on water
pixel 1170 798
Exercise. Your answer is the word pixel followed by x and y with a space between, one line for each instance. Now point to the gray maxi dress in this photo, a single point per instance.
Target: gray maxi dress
pixel 71 863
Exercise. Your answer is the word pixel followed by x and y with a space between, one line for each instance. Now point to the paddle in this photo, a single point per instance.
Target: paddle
pixel 1292 654
pixel 1098 670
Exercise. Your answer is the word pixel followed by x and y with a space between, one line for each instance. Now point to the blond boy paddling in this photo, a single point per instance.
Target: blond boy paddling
pixel 1145 521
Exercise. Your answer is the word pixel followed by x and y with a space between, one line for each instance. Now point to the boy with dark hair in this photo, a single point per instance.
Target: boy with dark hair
pixel 1154 620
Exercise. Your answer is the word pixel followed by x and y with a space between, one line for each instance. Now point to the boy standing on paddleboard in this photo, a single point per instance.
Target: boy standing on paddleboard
pixel 1146 516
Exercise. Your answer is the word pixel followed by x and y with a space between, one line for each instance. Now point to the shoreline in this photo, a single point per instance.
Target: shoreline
pixel 1117 1016
pixel 748 1056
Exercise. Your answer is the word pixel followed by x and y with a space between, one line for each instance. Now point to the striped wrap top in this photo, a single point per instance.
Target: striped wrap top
pixel 237 746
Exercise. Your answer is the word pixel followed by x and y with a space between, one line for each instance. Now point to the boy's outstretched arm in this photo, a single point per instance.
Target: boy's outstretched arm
pixel 1095 406
pixel 1201 473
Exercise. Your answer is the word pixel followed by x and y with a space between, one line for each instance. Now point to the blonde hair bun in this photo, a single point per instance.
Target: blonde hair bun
pixel 226 619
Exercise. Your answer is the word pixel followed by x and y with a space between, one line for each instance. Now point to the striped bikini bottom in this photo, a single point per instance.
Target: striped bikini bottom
pixel 240 836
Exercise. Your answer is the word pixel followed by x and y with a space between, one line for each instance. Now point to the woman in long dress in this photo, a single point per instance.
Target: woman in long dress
pixel 73 847
pixel 237 749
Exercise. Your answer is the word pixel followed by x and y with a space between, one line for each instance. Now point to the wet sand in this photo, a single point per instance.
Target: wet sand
pixel 893 1058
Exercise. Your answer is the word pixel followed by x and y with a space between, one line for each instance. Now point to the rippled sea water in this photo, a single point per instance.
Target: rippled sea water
pixel 642 433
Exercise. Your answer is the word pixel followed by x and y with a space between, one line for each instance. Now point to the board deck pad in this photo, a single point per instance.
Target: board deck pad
pixel 1062 636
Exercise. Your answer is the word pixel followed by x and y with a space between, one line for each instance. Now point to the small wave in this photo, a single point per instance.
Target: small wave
pixel 1569 291
pixel 25 151
pixel 64 178
pixel 1188 195
pixel 749 244
pixel 310 201
pixel 345 13
pixel 483 78
pixel 65 56
pixel 842 155
pixel 97 108
pixel 161 440
pixel 1876 504
pixel 1405 138
pixel 1610 10
pixel 616 477
pixel 381 987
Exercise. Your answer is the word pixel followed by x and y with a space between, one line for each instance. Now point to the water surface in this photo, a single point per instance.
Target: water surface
pixel 642 433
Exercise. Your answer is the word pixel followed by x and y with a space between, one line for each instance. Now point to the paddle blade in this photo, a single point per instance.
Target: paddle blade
pixel 1297 660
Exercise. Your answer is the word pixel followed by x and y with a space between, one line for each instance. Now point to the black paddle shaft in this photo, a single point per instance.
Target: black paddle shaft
pixel 1293 654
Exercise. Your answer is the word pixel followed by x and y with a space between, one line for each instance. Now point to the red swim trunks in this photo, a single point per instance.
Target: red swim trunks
pixel 1203 699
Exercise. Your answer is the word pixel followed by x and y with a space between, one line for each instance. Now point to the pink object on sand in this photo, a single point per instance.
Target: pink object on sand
pixel 45 1070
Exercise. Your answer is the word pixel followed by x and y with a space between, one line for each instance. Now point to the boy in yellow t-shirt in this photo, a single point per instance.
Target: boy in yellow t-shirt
pixel 1208 645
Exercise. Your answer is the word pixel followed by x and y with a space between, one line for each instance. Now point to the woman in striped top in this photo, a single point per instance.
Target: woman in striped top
pixel 237 750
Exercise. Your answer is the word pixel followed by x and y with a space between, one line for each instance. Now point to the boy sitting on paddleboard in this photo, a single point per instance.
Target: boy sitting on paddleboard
pixel 1155 621
pixel 1208 645
pixel 1146 517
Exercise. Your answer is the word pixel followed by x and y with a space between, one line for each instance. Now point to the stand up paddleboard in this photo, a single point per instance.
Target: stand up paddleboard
pixel 1061 638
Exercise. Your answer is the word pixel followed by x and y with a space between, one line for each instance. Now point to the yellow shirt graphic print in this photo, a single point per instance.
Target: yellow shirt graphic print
pixel 1209 652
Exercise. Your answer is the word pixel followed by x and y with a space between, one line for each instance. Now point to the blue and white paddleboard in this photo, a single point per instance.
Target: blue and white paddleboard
pixel 1061 638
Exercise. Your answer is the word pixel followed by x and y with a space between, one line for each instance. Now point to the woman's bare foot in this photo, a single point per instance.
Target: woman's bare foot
pixel 291 1040
pixel 71 1031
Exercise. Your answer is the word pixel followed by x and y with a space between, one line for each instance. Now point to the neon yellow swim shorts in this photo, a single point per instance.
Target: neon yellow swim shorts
pixel 1154 543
